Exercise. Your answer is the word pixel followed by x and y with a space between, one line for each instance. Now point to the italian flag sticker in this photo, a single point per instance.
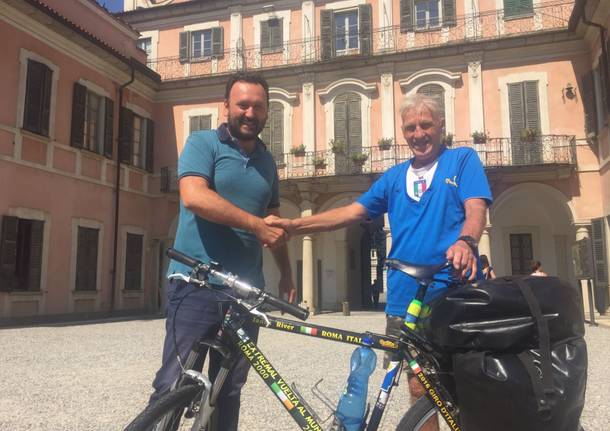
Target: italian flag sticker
pixel 309 331
pixel 282 396
pixel 415 367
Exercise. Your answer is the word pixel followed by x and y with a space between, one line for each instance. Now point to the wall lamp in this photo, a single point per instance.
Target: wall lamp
pixel 568 91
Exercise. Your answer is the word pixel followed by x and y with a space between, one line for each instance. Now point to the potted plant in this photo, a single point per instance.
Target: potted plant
pixel 479 137
pixel 298 151
pixel 359 158
pixel 319 162
pixel 385 143
pixel 447 139
pixel 529 135
pixel 336 145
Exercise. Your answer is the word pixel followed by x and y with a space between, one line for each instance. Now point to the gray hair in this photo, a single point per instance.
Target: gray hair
pixel 417 101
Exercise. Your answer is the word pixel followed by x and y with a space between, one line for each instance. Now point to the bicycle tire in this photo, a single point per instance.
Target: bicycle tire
pixel 417 415
pixel 174 402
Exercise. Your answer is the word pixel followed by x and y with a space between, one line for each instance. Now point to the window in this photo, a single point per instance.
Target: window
pixel 516 8
pixel 598 243
pixel 200 122
pixel 346 31
pixel 427 14
pixel 92 121
pixel 435 91
pixel 86 258
pixel 273 133
pixel 145 44
pixel 133 261
pixel 524 114
pixel 521 253
pixel 272 35
pixel 21 254
pixel 37 107
pixel 136 138
pixel 348 122
pixel 201 45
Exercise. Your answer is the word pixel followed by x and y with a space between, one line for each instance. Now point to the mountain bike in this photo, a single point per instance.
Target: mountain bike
pixel 191 401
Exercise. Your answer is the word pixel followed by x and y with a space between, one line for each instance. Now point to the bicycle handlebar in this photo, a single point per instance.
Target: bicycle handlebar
pixel 242 288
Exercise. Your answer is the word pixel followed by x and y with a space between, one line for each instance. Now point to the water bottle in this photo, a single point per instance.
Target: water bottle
pixel 352 404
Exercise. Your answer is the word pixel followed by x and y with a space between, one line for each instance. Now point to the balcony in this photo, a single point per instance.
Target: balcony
pixel 483 26
pixel 540 154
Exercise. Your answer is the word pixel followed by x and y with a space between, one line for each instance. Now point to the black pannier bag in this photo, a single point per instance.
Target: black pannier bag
pixel 518 353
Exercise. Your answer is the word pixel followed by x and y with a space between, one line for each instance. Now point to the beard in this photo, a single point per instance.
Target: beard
pixel 235 124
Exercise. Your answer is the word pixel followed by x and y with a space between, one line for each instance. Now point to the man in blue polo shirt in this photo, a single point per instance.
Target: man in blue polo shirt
pixel 436 204
pixel 228 185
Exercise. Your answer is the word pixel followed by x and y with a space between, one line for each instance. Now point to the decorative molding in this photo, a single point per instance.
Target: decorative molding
pixel 344 4
pixel 346 85
pixel 439 74
pixel 202 26
pixel 279 93
pixel 138 110
pixel 93 87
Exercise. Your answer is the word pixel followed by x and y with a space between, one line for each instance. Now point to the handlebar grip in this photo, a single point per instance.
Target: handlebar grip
pixel 172 253
pixel 287 307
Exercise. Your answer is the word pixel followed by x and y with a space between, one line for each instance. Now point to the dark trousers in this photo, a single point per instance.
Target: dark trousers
pixel 192 313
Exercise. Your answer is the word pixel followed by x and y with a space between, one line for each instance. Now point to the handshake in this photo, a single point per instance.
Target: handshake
pixel 273 231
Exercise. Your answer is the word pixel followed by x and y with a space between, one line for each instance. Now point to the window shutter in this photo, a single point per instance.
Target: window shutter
pixel 599 251
pixel 341 119
pixel 150 144
pixel 35 267
pixel 8 252
pixel 365 28
pixel 449 13
pixel 125 134
pixel 326 30
pixel 277 123
pixel 532 110
pixel 206 122
pixel 265 134
pixel 46 100
pixel 277 34
pixel 517 7
pixel 406 16
pixel 516 110
pixel 133 261
pixel 588 98
pixel 604 71
pixel 194 123
pixel 354 123
pixel 79 102
pixel 86 258
pixel 37 98
pixel 108 126
pixel 184 46
pixel 264 42
pixel 217 41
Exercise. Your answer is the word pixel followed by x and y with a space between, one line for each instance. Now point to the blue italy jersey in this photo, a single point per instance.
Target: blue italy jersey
pixel 249 182
pixel 423 231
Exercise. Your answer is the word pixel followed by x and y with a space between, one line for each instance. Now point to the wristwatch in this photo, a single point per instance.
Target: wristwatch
pixel 472 243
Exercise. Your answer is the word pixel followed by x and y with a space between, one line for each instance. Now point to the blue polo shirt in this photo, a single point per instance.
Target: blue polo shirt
pixel 423 231
pixel 249 182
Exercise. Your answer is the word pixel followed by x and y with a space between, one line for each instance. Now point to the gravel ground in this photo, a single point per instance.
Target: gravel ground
pixel 97 376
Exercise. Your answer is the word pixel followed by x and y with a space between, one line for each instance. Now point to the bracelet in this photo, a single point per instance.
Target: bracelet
pixel 472 243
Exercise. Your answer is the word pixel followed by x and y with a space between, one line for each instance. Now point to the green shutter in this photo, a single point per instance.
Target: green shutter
pixel 277 34
pixel 79 107
pixel 194 123
pixel 217 42
pixel 589 103
pixel 326 30
pixel 150 144
pixel 277 130
pixel 108 127
pixel 265 134
pixel 35 266
pixel 184 46
pixel 514 8
pixel 406 16
pixel 449 13
pixel 532 110
pixel 354 124
pixel 125 135
pixel 516 110
pixel 365 28
pixel 264 42
pixel 341 118
pixel 8 252
pixel 598 243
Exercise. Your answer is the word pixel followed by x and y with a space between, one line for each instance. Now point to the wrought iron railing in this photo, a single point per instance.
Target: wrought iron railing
pixel 494 153
pixel 474 27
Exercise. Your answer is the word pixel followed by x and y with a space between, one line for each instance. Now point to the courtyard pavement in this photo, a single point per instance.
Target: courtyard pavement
pixel 96 376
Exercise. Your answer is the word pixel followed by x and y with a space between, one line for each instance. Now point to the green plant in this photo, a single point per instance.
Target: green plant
pixel 479 137
pixel 359 158
pixel 447 139
pixel 336 145
pixel 319 162
pixel 385 143
pixel 298 151
pixel 529 135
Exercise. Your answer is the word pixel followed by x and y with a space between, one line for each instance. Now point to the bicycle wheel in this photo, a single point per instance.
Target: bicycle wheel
pixel 416 417
pixel 167 414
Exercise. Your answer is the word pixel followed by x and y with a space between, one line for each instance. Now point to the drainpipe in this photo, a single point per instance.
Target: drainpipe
pixel 602 40
pixel 117 190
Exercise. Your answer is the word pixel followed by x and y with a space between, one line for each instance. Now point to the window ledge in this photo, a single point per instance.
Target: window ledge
pixel 93 154
pixel 277 50
pixel 26 293
pixel 132 293
pixel 85 293
pixel 428 29
pixel 526 14
pixel 40 138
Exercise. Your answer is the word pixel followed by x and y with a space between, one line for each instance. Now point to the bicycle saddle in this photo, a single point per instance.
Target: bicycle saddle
pixel 420 272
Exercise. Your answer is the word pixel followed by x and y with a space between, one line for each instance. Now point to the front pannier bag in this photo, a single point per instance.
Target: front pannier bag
pixel 518 353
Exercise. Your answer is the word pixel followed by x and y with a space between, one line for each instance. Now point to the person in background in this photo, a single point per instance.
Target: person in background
pixel 486 269
pixel 375 290
pixel 537 271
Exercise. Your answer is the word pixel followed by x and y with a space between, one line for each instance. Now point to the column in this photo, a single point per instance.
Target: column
pixel 310 299
pixel 387 105
pixel 237 42
pixel 341 259
pixel 385 22
pixel 475 92
pixel 485 243
pixel 309 118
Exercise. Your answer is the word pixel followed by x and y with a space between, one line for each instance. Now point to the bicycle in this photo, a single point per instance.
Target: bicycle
pixel 191 401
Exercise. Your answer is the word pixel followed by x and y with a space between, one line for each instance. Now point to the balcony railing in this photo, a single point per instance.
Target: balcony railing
pixel 494 153
pixel 385 40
